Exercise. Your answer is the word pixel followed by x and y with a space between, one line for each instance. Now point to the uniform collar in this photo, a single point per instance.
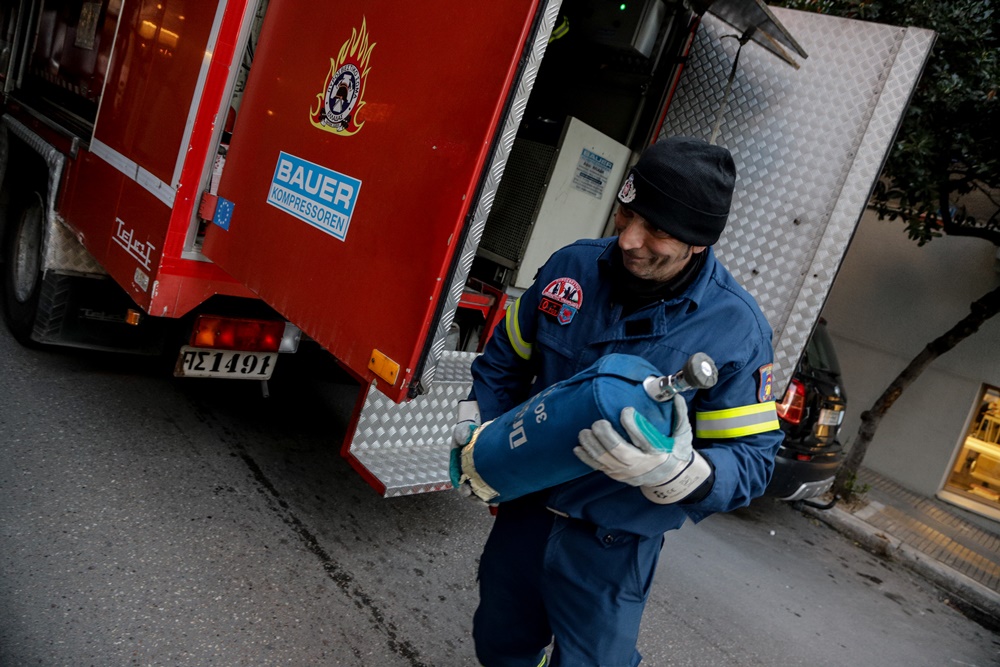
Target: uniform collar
pixel 694 293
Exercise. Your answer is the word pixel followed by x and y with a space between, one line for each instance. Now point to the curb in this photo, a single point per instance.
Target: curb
pixel 967 590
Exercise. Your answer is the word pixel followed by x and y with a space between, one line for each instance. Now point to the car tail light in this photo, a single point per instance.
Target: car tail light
pixel 793 405
pixel 230 333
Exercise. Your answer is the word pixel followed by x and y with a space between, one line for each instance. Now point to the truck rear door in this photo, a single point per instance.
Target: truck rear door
pixel 809 145
pixel 355 164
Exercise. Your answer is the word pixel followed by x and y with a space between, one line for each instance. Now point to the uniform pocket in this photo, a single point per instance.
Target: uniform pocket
pixel 619 563
pixel 555 358
pixel 554 344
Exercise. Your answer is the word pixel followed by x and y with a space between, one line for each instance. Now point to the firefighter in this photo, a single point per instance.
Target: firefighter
pixel 572 565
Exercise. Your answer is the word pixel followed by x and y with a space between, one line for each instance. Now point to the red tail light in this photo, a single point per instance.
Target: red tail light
pixel 793 404
pixel 229 333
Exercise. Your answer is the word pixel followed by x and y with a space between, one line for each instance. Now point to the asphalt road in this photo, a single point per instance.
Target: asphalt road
pixel 146 520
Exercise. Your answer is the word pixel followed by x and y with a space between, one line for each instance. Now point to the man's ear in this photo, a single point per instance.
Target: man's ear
pixel 698 248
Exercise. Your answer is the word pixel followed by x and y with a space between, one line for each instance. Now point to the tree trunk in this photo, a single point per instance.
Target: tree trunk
pixel 980 311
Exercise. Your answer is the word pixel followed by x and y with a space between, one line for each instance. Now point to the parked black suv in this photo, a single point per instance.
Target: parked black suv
pixel 811 413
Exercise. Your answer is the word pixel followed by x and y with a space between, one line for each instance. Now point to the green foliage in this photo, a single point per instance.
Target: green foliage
pixel 849 487
pixel 948 147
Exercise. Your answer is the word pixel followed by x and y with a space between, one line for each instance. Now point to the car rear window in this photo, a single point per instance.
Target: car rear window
pixel 819 352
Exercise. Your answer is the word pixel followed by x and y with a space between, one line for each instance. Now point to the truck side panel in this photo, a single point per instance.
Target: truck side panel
pixel 154 71
pixel 124 194
pixel 90 201
pixel 368 123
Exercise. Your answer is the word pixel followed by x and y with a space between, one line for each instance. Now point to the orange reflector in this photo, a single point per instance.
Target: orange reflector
pixel 230 333
pixel 133 317
pixel 384 367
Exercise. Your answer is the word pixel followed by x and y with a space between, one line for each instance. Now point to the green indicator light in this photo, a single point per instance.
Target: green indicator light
pixel 622 6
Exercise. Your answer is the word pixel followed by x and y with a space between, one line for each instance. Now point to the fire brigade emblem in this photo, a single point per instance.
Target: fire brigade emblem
pixel 337 107
pixel 765 383
pixel 561 299
pixel 627 193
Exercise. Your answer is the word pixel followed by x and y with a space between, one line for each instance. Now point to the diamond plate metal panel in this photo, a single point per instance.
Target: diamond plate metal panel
pixel 65 254
pixel 62 251
pixel 406 446
pixel 808 146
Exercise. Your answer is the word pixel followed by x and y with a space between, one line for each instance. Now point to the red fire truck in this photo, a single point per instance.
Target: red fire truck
pixel 379 177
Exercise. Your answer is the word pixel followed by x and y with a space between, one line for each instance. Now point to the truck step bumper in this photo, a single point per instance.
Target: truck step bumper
pixel 404 449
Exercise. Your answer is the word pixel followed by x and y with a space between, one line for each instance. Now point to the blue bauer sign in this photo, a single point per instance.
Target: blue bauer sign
pixel 314 194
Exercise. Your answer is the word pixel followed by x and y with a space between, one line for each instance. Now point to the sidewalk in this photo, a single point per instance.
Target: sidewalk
pixel 931 537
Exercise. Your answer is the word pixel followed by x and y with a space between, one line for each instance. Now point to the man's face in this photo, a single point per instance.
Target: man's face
pixel 650 253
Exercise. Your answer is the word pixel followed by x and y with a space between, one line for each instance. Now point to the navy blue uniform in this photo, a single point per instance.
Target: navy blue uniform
pixel 577 560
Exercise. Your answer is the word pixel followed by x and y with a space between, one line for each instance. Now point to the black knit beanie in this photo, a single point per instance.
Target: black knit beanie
pixel 684 187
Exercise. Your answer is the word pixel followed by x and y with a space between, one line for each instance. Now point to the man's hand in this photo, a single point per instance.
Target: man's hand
pixel 666 468
pixel 467 421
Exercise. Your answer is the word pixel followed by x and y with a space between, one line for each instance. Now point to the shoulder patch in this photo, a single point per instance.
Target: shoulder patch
pixel 561 299
pixel 765 382
pixel 565 290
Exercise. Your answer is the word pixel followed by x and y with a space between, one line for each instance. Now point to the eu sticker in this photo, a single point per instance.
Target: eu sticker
pixel 314 194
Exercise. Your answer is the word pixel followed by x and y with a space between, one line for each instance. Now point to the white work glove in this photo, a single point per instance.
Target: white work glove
pixel 467 421
pixel 667 469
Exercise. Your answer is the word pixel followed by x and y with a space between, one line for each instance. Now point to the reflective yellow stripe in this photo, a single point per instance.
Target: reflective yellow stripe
pixel 736 422
pixel 521 346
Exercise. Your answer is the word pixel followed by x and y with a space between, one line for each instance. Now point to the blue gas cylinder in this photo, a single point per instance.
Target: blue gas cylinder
pixel 530 447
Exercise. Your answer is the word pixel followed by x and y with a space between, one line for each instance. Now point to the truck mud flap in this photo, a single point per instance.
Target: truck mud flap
pixel 403 449
pixel 92 313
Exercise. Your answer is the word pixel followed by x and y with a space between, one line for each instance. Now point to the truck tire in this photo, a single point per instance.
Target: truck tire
pixel 23 264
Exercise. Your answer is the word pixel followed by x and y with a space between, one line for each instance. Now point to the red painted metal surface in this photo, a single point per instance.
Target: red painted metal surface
pixel 157 59
pixel 203 131
pixel 135 242
pixel 183 284
pixel 488 301
pixel 427 99
pixel 90 201
pixel 136 237
pixel 678 70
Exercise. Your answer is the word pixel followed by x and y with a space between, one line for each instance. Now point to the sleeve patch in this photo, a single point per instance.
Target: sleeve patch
pixel 765 382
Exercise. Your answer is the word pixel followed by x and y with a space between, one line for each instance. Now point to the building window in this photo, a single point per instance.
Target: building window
pixel 974 480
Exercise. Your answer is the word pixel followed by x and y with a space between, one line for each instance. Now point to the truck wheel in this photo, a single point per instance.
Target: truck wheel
pixel 23 265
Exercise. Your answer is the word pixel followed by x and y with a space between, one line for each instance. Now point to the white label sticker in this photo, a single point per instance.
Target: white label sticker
pixel 592 173
pixel 141 279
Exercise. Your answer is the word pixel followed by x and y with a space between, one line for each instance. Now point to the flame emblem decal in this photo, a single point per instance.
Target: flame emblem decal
pixel 337 107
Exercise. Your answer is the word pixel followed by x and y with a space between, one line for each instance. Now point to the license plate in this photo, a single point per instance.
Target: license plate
pixel 831 417
pixel 198 362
